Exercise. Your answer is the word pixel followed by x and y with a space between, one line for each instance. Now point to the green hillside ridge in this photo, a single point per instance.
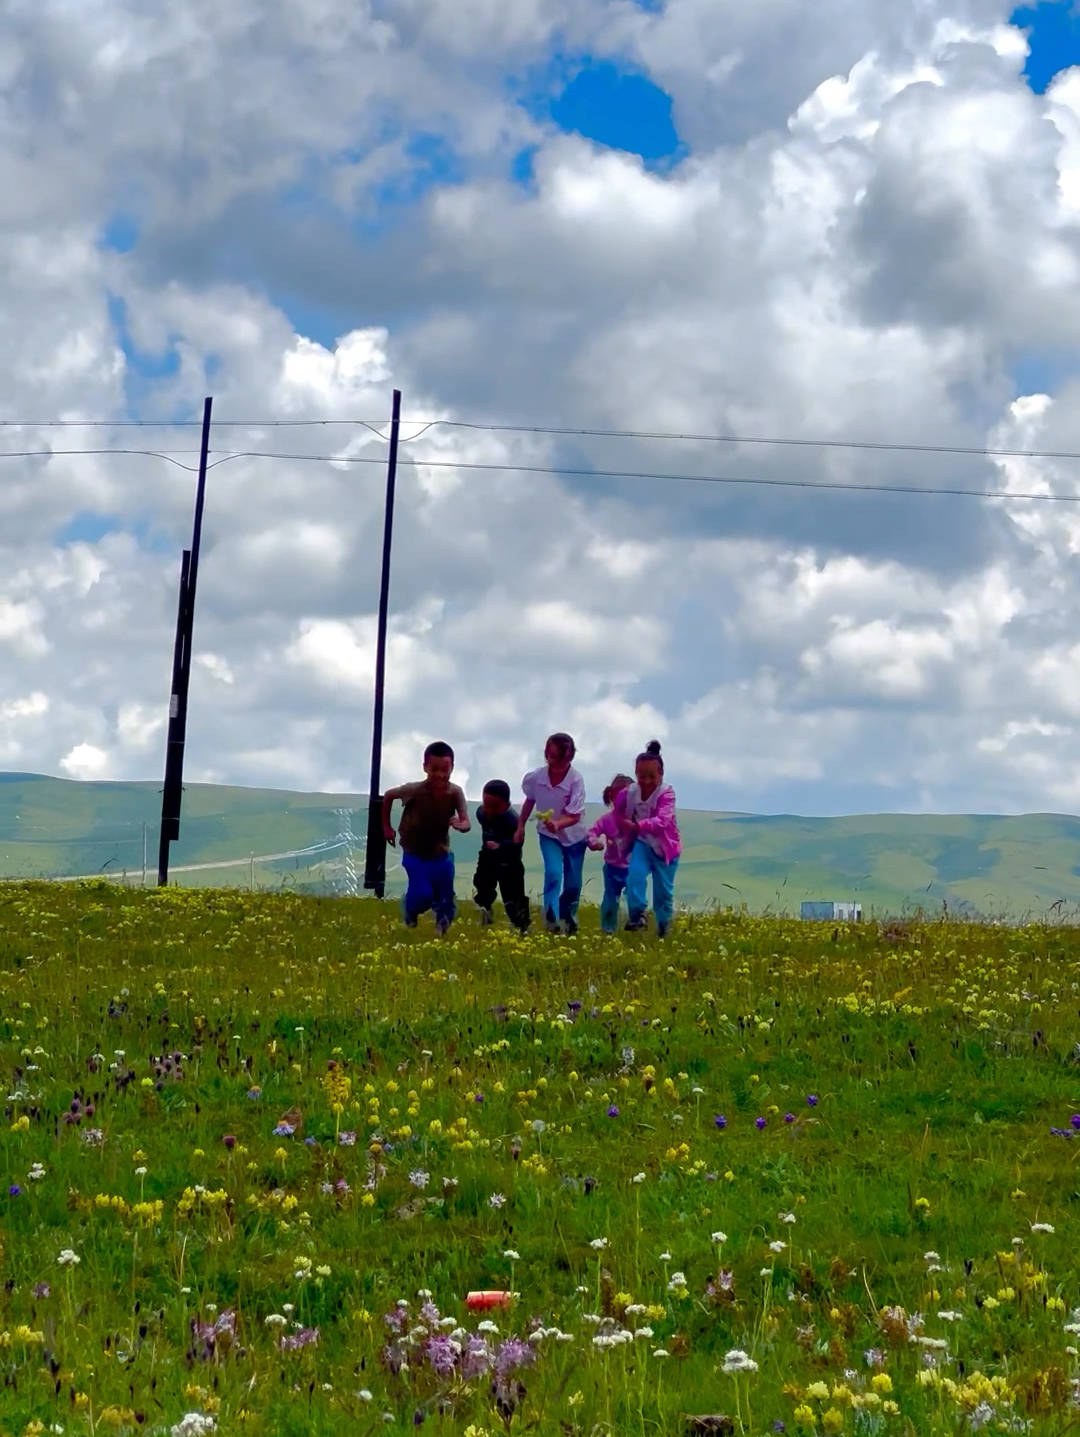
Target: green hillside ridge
pixel 891 863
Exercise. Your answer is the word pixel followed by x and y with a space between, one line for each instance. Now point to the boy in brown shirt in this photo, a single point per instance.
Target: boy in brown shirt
pixel 430 809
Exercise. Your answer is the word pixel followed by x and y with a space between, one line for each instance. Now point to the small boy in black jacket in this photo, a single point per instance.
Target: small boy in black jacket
pixel 500 867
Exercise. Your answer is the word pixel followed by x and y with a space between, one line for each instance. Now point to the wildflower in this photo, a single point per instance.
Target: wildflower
pixel 759 1123
pixel 275 1319
pixel 496 1200
pixel 306 1337
pixel 738 1361
pixel 598 1244
pixel 719 1237
pixel 41 1289
pixel 347 1140
pixel 194 1424
pixel 661 1352
pixel 419 1178
pixel 613 1111
pixel 14 1190
pixel 789 1117
pixel 36 1173
pixel 69 1258
pixel 677 1284
pixel 283 1130
pixel 230 1141
pixel 1042 1227
pixel 874 1357
pixel 720 1121
pixel 638 1179
pixel 777 1246
pixel 511 1255
pixel 881 1383
pixel 1075 1120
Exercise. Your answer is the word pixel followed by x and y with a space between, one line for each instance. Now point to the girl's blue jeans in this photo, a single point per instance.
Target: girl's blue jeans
pixel 562 877
pixel 614 886
pixel 431 885
pixel 645 863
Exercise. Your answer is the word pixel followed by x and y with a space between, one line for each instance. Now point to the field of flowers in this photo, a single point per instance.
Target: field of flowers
pixel 767 1176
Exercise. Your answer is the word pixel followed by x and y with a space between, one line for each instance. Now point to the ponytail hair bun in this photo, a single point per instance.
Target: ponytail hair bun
pixel 652 754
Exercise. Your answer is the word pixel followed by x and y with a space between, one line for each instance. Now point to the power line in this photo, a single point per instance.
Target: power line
pixel 756 481
pixel 880 446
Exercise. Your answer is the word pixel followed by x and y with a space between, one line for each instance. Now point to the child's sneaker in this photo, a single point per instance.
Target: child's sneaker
pixel 570 927
pixel 442 927
pixel 636 925
pixel 551 923
pixel 486 918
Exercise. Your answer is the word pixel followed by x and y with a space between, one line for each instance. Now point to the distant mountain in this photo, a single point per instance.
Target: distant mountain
pixel 890 863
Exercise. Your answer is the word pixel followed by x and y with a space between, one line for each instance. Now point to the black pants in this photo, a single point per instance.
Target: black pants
pixel 501 872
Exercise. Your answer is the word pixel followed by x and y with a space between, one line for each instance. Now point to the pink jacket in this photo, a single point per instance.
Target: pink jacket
pixel 657 823
pixel 619 844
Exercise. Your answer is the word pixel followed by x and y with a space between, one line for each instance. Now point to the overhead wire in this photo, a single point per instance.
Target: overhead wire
pixel 555 431
pixel 756 481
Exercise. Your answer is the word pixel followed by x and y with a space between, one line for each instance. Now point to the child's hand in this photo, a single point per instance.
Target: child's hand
pixel 491 843
pixel 389 834
pixel 596 844
pixel 462 825
pixel 519 835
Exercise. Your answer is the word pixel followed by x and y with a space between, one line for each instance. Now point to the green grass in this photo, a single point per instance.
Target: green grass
pixel 891 863
pixel 537 1116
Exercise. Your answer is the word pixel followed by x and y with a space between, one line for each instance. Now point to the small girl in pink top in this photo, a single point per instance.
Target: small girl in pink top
pixel 608 833
pixel 650 821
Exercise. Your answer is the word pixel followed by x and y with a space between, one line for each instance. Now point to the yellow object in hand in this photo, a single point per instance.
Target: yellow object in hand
pixel 547 816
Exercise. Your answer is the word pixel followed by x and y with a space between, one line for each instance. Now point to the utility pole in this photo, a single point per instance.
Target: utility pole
pixel 144 855
pixel 375 853
pixel 173 792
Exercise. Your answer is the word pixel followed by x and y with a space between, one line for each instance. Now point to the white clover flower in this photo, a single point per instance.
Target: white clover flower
pixel 788 1217
pixel 598 1244
pixel 36 1173
pixel 950 1316
pixel 275 1319
pixel 486 1326
pixel 777 1246
pixel 643 1332
pixel 511 1255
pixel 364 1395
pixel 1042 1227
pixel 677 1282
pixel 738 1361
pixel 931 1257
pixel 638 1178
pixel 719 1237
pixel 665 1257
pixel 661 1352
pixel 69 1258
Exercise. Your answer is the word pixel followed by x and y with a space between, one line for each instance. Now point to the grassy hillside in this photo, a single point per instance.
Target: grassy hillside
pixel 890 862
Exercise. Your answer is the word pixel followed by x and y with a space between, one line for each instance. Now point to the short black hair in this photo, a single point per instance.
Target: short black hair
pixel 498 788
pixel 438 749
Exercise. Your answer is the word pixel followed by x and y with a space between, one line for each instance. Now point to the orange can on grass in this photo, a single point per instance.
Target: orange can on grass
pixel 486 1301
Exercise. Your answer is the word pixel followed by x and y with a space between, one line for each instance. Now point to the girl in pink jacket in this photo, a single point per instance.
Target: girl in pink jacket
pixel 609 833
pixel 650 821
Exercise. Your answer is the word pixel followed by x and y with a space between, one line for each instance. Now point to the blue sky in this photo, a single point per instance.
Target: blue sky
pixel 1054 27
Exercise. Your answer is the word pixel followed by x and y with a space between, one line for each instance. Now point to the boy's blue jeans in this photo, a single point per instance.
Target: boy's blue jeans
pixel 644 862
pixel 563 864
pixel 431 885
pixel 614 886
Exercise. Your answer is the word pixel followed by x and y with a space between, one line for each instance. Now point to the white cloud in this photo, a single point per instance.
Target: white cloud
pixel 86 761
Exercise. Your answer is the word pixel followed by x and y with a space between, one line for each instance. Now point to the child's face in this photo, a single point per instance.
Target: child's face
pixel 556 756
pixel 495 805
pixel 438 771
pixel 648 774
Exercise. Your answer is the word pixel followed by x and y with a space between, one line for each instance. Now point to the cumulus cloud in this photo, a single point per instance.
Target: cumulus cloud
pixel 875 235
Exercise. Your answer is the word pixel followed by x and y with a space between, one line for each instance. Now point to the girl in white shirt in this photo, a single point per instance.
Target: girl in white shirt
pixel 557 793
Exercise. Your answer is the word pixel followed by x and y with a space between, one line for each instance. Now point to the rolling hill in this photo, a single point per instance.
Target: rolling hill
pixel 891 863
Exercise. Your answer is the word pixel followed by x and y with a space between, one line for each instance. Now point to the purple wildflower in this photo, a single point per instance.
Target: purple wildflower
pixel 1075 1120
pixel 442 1354
pixel 613 1111
pixel 347 1140
pixel 477 1359
pixel 284 1130
pixel 512 1354
pixel 41 1289
pixel 478 1097
pixel 759 1123
pixel 430 1314
pixel 811 1101
pixel 309 1142
pixel 789 1117
pixel 254 1094
pixel 294 1341
pixel 14 1190
pixel 720 1121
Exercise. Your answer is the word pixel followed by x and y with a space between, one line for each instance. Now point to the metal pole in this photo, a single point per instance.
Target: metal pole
pixel 375 853
pixel 144 855
pixel 172 795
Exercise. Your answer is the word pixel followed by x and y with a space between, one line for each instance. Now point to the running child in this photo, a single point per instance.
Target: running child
pixel 557 793
pixel 607 833
pixel 500 866
pixel 653 827
pixel 430 809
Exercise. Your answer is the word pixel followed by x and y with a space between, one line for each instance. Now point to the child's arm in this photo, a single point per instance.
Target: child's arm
pixel 526 809
pixel 403 791
pixel 460 820
pixel 575 807
pixel 388 801
pixel 601 831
